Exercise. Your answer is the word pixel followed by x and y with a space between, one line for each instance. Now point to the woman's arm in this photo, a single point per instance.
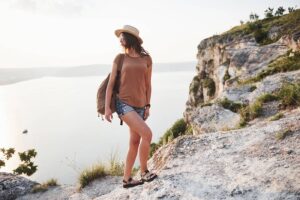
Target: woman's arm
pixel 148 87
pixel 111 81
pixel 148 80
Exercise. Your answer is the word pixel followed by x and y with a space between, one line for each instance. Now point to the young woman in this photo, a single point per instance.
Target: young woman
pixel 133 101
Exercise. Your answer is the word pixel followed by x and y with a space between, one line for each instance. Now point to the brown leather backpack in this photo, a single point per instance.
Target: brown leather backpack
pixel 101 94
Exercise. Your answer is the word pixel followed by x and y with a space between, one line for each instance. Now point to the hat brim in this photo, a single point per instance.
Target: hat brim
pixel 119 31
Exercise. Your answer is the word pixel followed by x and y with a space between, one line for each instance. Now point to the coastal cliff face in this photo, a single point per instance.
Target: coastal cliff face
pixel 246 131
pixel 226 62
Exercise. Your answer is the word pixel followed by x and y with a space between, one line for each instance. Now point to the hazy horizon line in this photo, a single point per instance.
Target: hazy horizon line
pixel 67 66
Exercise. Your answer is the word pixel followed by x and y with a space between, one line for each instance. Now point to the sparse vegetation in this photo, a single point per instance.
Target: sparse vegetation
pixel 179 128
pixel 206 104
pixel 99 170
pixel 288 62
pixel 44 186
pixel 195 84
pixel 226 76
pixel 153 148
pixel 279 12
pixel 242 123
pixel 269 13
pixel 230 105
pixel 267 97
pixel 276 117
pixel 252 88
pixel 289 94
pixel 253 17
pixel 89 174
pixel 116 167
pixel 210 85
pixel 291 9
pixel 287 23
pixel 252 111
pixel 282 134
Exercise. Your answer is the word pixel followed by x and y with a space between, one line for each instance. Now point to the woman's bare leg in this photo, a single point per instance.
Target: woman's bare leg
pixel 136 123
pixel 132 152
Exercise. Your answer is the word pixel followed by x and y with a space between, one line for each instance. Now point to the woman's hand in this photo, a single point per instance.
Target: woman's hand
pixel 146 113
pixel 108 114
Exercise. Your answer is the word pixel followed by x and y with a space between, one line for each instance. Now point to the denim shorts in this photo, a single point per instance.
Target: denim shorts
pixel 122 108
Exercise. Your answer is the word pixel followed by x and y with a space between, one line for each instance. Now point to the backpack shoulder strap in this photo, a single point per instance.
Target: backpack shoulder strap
pixel 120 63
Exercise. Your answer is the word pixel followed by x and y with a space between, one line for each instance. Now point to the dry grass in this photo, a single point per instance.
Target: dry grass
pixel 44 186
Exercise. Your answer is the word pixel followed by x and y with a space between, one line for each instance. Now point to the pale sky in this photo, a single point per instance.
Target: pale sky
pixel 42 33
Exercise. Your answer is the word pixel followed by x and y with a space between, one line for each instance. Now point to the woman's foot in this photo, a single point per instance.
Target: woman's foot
pixel 131 183
pixel 148 176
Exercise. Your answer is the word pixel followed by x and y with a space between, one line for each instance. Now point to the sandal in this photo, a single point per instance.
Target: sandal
pixel 148 176
pixel 131 183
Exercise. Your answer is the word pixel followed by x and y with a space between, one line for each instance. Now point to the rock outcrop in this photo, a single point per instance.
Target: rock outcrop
pixel 249 163
pixel 226 60
pixel 12 186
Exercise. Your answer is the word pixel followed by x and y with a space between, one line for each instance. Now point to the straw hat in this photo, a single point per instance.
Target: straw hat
pixel 129 29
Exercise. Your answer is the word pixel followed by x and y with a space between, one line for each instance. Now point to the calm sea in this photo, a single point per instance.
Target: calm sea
pixel 63 127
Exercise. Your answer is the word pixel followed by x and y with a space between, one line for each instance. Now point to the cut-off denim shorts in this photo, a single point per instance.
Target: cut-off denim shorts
pixel 122 108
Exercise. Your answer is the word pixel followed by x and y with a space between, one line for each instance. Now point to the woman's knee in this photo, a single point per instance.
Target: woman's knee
pixel 135 138
pixel 147 135
pixel 135 142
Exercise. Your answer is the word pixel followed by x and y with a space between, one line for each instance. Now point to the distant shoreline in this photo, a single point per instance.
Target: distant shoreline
pixel 15 75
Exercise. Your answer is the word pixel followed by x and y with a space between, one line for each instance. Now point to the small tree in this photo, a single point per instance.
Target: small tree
pixel 279 12
pixel 269 12
pixel 291 9
pixel 253 17
pixel 26 167
pixel 7 154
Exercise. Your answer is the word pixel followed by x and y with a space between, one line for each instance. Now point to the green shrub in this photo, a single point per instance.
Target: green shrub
pixel 276 117
pixel 250 112
pixel 289 94
pixel 282 134
pixel 44 186
pixel 39 188
pixel 189 130
pixel 252 88
pixel 261 35
pixel 153 148
pixel 226 76
pixel 288 24
pixel 230 105
pixel 210 85
pixel 178 128
pixel 92 173
pixel 267 97
pixel 281 64
pixel 205 104
pixel 255 109
pixel 242 123
pixel 269 12
pixel 195 84
pixel 99 170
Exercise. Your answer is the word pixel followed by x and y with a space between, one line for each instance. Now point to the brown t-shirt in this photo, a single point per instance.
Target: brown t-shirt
pixel 135 80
